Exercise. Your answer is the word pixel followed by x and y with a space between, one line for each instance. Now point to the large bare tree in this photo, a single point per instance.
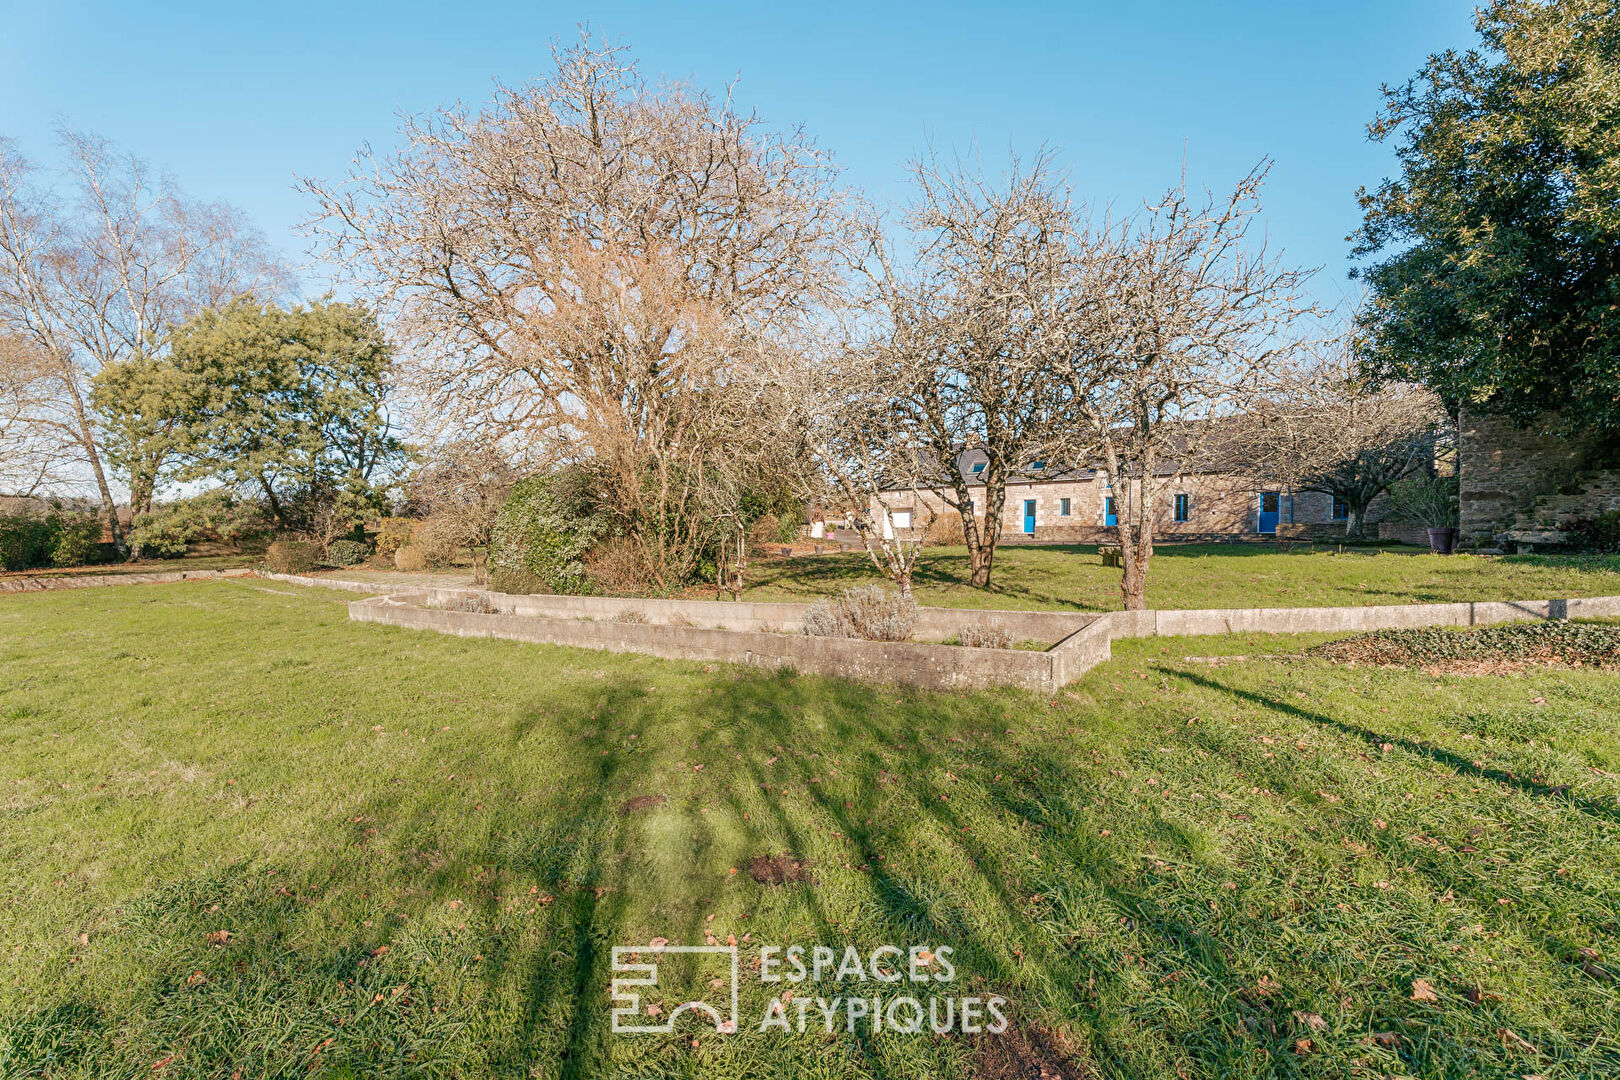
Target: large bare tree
pixel 95 268
pixel 968 330
pixel 582 266
pixel 1184 312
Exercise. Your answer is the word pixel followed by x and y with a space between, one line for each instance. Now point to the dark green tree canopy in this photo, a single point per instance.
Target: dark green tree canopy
pixel 1498 280
pixel 286 402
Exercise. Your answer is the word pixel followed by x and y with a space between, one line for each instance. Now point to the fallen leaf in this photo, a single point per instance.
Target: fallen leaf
pixel 1386 1038
pixel 1310 1020
pixel 219 937
pixel 1303 1046
pixel 1510 1039
pixel 1422 991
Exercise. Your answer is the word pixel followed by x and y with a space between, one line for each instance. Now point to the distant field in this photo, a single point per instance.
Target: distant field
pixel 1206 576
pixel 246 837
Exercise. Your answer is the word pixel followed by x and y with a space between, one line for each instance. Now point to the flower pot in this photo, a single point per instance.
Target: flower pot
pixel 1442 541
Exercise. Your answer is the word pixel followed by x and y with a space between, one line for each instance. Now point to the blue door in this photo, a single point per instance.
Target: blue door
pixel 1029 517
pixel 1270 511
pixel 1110 516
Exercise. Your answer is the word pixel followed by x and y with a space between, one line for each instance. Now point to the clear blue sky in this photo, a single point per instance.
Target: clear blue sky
pixel 234 99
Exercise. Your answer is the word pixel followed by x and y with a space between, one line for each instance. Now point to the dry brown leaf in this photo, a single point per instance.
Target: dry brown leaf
pixel 1422 991
pixel 1310 1020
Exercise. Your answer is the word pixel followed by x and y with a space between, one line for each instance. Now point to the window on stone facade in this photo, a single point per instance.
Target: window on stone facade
pixel 978 468
pixel 1183 507
pixel 902 519
pixel 1341 509
pixel 1063 507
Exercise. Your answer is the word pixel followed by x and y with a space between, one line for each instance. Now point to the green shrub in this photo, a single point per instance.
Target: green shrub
pixel 546 527
pixel 59 538
pixel 1600 534
pixel 77 541
pixel 26 541
pixel 346 553
pixel 291 556
pixel 170 530
pixel 1430 501
pixel 1555 640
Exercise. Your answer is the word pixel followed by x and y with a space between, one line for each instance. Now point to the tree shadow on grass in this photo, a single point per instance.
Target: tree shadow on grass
pixel 1439 755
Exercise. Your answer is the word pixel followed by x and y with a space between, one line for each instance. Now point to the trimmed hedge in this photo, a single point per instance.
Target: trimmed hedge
pixel 292 556
pixel 346 553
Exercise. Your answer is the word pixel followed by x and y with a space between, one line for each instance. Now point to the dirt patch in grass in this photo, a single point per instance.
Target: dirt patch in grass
pixel 1029 1053
pixel 642 802
pixel 781 869
pixel 1484 650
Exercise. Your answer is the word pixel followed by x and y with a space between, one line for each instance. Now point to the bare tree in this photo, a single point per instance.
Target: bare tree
pixel 31 454
pixel 96 280
pixel 583 266
pixel 1321 426
pixel 461 487
pixel 1183 313
pixel 968 332
pixel 858 449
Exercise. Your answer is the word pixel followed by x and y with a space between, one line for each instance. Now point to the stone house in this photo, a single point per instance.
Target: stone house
pixel 1082 506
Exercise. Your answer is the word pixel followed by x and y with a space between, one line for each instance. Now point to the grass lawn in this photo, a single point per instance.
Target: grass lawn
pixel 1206 576
pixel 245 837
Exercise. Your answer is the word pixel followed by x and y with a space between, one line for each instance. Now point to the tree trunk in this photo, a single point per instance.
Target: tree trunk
pixel 980 557
pixel 1355 518
pixel 274 503
pixel 983 555
pixel 114 527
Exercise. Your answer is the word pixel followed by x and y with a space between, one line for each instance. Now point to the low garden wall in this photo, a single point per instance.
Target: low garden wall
pixel 917 663
pixel 768 634
pixel 90 581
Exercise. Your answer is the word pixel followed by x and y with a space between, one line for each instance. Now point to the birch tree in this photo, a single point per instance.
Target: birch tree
pixel 93 277
pixel 31 454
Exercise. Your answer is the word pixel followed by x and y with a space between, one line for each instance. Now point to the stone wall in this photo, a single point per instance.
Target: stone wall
pixel 1504 468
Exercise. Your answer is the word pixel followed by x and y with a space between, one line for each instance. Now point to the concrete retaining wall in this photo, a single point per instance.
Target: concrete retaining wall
pixel 932 623
pixel 940 667
pixel 90 581
pixel 767 634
